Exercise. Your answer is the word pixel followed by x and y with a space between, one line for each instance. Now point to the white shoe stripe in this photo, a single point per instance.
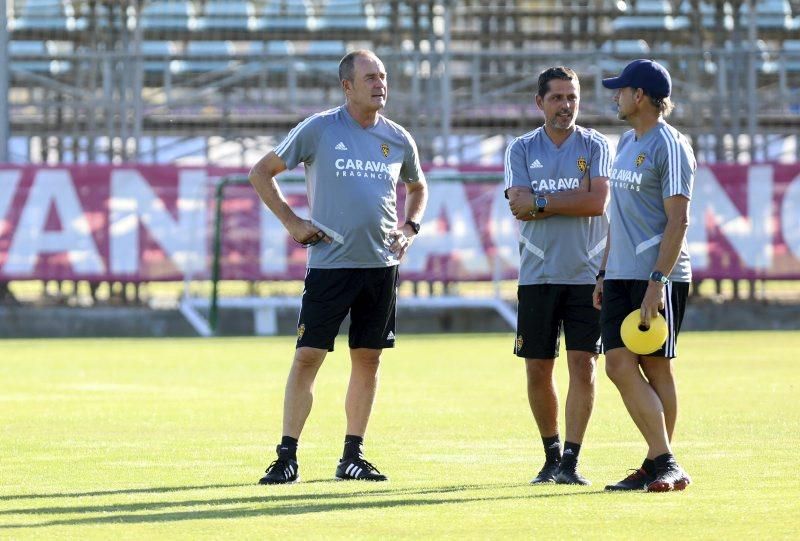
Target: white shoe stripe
pixel 350 469
pixel 358 473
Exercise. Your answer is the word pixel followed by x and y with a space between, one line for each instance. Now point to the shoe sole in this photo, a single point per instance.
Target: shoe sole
pixel 548 482
pixel 677 486
pixel 682 484
pixel 278 482
pixel 658 486
pixel 337 478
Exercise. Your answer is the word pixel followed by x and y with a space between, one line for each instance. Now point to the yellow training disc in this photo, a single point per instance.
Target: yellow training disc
pixel 643 342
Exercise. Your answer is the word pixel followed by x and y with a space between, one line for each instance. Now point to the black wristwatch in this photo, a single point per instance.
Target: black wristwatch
pixel 414 225
pixel 600 274
pixel 540 202
pixel 658 276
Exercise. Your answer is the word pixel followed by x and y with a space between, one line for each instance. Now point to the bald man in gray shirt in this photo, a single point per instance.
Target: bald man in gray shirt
pixel 353 158
pixel 646 265
pixel 557 185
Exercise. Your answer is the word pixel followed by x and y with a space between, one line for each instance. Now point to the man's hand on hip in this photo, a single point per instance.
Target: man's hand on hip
pixel 399 242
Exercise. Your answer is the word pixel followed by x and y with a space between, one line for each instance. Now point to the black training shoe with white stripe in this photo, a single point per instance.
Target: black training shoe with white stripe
pixel 547 474
pixel 567 474
pixel 282 471
pixel 358 469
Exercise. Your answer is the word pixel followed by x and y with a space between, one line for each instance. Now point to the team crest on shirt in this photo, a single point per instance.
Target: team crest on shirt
pixel 518 343
pixel 301 330
pixel 640 159
pixel 385 150
pixel 582 164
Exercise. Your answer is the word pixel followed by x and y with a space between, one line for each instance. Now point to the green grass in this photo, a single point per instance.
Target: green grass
pixel 122 439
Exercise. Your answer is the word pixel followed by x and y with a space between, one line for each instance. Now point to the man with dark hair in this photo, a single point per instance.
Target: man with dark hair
pixel 353 158
pixel 557 185
pixel 646 264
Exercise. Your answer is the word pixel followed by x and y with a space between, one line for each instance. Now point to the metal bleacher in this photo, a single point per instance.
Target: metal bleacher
pixel 462 73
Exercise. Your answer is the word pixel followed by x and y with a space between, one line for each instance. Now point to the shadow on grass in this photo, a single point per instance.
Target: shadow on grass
pixel 112 492
pixel 273 504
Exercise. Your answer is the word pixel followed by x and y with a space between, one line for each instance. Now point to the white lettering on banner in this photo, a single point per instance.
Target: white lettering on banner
pixel 8 187
pixel 504 230
pixel 273 238
pixel 790 213
pixel 461 242
pixel 751 235
pixel 133 201
pixel 53 188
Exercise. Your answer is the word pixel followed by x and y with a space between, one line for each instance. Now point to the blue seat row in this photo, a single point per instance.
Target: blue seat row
pixel 210 15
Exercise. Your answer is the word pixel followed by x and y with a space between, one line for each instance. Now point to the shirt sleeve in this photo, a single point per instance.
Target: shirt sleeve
pixel 301 143
pixel 411 170
pixel 601 158
pixel 516 165
pixel 676 165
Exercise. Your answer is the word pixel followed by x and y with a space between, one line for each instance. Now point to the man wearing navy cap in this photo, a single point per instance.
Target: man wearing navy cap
pixel 646 264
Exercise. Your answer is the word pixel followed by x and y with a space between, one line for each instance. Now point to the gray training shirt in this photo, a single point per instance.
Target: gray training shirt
pixel 351 178
pixel 559 249
pixel 646 171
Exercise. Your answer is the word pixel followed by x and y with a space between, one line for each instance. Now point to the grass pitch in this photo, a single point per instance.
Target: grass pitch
pixel 135 439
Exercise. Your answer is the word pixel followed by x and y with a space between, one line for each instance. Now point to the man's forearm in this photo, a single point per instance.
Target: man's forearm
pixel 267 188
pixel 416 201
pixel 579 202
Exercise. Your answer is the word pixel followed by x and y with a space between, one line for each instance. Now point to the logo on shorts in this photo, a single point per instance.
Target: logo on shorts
pixel 518 343
pixel 385 150
pixel 390 336
pixel 301 330
pixel 582 164
pixel 640 159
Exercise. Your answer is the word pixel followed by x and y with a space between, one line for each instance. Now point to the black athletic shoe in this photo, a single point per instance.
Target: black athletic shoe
pixel 670 477
pixel 282 471
pixel 567 474
pixel 637 480
pixel 547 474
pixel 358 469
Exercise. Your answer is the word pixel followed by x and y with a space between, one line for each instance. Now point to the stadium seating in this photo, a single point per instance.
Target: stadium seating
pixel 286 15
pixel 227 15
pixel 38 56
pixel 324 56
pixel 159 58
pixel 770 15
pixel 45 15
pixel 708 15
pixel 617 53
pixel 283 56
pixel 206 56
pixel 791 55
pixel 275 56
pixel 352 15
pixel 650 15
pixel 169 15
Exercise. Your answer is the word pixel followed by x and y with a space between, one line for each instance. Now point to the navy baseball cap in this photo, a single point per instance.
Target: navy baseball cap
pixel 647 74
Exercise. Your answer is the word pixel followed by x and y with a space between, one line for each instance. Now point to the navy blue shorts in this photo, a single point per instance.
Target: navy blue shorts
pixel 369 295
pixel 544 309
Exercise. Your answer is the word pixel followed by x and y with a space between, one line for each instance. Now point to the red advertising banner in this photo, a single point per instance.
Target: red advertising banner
pixel 150 223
